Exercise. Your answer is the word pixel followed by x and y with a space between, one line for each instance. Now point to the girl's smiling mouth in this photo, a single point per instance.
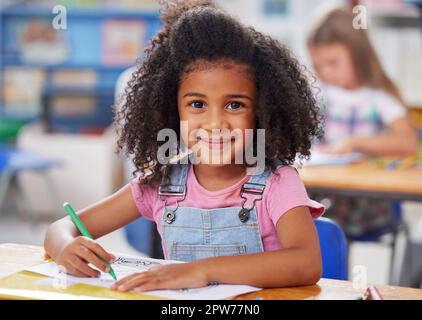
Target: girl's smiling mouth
pixel 216 143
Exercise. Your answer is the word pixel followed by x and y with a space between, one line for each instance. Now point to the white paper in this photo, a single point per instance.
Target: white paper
pixel 126 265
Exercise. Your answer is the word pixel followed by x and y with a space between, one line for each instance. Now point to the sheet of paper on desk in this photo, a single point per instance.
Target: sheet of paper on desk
pixel 126 265
pixel 319 159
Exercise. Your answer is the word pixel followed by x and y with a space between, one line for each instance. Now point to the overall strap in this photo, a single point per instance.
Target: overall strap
pixel 259 181
pixel 255 187
pixel 176 188
pixel 178 177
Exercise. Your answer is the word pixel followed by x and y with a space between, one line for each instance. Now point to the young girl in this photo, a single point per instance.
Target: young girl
pixel 363 111
pixel 208 70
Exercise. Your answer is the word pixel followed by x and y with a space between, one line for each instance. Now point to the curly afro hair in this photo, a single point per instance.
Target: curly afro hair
pixel 198 29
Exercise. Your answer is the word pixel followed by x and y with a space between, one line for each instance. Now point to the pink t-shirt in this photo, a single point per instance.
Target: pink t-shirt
pixel 282 193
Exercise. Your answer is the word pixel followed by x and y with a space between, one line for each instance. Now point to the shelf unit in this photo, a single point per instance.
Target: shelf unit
pixel 84 40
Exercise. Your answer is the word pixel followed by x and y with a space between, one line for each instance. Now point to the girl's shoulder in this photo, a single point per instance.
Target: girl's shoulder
pixel 384 98
pixel 284 175
pixel 377 95
pixel 286 191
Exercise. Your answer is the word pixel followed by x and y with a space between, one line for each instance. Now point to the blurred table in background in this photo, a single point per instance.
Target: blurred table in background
pixel 364 179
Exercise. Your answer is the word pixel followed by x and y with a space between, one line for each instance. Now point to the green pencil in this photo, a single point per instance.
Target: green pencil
pixel 68 208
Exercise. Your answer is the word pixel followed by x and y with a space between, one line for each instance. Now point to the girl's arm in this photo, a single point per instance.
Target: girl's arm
pixel 297 263
pixel 400 140
pixel 68 248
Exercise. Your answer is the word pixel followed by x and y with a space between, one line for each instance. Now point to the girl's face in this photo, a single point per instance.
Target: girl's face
pixel 334 65
pixel 215 99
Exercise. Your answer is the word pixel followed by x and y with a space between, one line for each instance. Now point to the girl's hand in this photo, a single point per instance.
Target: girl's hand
pixel 172 276
pixel 76 256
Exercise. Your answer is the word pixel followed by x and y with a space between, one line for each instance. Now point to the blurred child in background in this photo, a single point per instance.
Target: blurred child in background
pixel 363 111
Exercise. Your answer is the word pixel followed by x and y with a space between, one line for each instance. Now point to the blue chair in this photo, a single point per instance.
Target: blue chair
pixel 400 261
pixel 14 161
pixel 334 251
pixel 392 227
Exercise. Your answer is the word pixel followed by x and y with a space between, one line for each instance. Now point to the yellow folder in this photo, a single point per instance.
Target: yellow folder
pixel 24 285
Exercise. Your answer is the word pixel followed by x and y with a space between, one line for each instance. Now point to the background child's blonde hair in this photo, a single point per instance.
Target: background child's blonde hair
pixel 336 26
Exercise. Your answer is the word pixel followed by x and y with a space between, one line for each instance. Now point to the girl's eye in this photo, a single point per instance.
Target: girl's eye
pixel 196 104
pixel 235 105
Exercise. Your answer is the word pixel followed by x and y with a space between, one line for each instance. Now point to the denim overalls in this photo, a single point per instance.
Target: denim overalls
pixel 190 233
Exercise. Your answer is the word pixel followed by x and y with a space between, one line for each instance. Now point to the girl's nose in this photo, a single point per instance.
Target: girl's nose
pixel 216 120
